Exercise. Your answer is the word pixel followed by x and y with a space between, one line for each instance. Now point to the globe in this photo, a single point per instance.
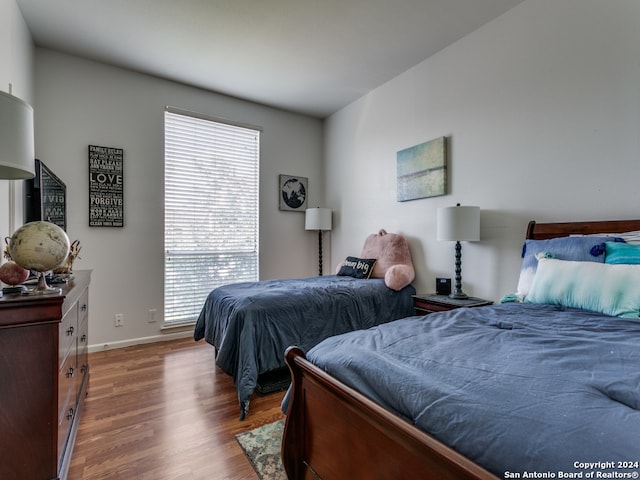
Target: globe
pixel 13 274
pixel 39 246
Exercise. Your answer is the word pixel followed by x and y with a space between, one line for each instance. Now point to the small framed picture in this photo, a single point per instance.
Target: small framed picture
pixel 293 193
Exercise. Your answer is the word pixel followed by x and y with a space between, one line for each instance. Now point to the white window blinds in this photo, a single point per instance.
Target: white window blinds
pixel 211 210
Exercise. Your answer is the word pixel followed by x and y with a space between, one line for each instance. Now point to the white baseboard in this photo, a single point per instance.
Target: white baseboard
pixel 139 341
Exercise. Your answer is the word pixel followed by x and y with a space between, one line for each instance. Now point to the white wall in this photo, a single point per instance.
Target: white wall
pixel 81 103
pixel 16 69
pixel 542 109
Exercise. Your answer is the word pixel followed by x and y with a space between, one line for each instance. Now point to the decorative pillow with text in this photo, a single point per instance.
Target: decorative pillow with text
pixel 357 267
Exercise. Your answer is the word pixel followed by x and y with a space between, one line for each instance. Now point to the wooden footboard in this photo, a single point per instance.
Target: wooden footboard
pixel 334 432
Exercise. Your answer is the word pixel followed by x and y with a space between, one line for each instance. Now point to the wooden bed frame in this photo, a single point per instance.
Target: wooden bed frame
pixel 334 432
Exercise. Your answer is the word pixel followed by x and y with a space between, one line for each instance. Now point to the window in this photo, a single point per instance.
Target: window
pixel 211 210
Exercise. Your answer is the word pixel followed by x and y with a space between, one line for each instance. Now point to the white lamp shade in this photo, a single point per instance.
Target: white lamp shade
pixel 17 144
pixel 460 223
pixel 317 219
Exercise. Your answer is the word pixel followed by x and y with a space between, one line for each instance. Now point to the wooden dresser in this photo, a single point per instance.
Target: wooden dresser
pixel 44 375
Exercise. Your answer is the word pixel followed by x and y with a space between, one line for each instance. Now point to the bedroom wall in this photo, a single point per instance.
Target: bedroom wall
pixel 542 111
pixel 81 103
pixel 16 69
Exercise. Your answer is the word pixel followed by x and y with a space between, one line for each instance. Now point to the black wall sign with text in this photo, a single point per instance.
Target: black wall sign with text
pixel 106 187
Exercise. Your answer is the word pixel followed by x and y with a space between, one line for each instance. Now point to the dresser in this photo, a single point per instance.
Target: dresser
pixel 44 375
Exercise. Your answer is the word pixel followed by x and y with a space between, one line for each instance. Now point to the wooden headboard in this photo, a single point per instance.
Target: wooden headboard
pixel 542 231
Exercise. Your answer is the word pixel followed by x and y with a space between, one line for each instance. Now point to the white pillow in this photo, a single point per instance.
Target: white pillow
pixel 609 289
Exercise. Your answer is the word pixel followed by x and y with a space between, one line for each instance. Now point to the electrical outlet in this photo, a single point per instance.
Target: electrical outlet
pixel 119 320
pixel 151 315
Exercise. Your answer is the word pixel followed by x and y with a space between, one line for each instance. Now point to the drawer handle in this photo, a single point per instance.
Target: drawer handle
pixel 70 331
pixel 69 372
pixel 83 307
pixel 70 414
pixel 83 338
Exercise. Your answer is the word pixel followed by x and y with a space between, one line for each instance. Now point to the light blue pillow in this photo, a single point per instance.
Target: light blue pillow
pixel 617 253
pixel 610 289
pixel 563 248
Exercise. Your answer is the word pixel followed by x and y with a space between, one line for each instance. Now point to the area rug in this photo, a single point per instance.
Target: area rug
pixel 262 447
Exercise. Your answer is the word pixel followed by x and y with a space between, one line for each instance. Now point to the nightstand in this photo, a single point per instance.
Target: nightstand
pixel 430 303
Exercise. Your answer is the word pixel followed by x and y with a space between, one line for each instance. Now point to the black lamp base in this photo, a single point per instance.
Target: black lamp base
pixel 320 252
pixel 458 294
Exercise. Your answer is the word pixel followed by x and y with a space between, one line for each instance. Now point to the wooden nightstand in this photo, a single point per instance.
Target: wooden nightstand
pixel 430 303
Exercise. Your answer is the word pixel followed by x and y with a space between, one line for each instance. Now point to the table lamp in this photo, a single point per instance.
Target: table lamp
pixel 17 144
pixel 459 223
pixel 318 219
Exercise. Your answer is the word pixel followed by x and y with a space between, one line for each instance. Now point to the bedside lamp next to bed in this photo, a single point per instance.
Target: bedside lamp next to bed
pixel 459 224
pixel 318 219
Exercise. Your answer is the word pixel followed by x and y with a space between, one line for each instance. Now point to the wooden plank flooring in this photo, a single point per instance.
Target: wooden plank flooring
pixel 164 411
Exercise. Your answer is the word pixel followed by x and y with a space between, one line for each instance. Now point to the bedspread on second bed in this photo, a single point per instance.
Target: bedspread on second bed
pixel 251 324
pixel 515 388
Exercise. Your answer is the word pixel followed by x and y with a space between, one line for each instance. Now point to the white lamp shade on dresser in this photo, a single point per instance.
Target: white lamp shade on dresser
pixel 17 144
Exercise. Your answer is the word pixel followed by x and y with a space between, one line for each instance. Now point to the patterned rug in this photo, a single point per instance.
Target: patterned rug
pixel 262 447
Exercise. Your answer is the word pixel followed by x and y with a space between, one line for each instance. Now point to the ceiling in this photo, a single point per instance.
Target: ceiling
pixel 307 56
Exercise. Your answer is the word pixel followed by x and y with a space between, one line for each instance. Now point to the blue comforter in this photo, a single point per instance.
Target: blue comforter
pixel 514 387
pixel 251 324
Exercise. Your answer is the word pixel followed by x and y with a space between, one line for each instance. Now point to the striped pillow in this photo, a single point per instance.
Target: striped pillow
pixel 610 289
pixel 619 253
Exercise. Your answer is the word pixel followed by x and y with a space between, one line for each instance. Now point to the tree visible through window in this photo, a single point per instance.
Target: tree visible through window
pixel 211 171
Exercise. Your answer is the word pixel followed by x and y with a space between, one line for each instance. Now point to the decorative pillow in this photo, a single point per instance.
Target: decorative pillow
pixel 357 267
pixel 563 248
pixel 394 264
pixel 609 289
pixel 620 253
pixel 632 237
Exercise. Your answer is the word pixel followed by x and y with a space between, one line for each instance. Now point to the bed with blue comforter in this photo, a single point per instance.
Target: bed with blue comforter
pixel 251 324
pixel 543 385
pixel 514 387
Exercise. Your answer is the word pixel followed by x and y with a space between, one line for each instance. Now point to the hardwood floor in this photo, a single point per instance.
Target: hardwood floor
pixel 164 411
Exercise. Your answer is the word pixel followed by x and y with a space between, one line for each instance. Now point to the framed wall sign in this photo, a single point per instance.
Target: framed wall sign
pixel 293 193
pixel 106 186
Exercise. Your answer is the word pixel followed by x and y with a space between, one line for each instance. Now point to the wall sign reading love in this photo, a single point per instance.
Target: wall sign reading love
pixel 106 187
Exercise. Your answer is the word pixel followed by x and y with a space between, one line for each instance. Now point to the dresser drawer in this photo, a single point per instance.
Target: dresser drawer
pixel 83 355
pixel 64 429
pixel 83 306
pixel 67 377
pixel 68 333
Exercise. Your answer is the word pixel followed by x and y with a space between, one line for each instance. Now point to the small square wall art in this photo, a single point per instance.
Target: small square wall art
pixel 422 170
pixel 293 193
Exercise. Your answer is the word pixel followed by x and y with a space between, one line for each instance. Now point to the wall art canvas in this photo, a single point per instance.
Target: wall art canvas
pixel 106 186
pixel 293 193
pixel 422 170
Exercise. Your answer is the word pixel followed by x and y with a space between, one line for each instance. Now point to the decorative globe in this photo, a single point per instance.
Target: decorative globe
pixel 39 246
pixel 13 274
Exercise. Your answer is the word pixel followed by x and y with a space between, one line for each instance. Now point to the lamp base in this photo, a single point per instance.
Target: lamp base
pixel 320 253
pixel 458 295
